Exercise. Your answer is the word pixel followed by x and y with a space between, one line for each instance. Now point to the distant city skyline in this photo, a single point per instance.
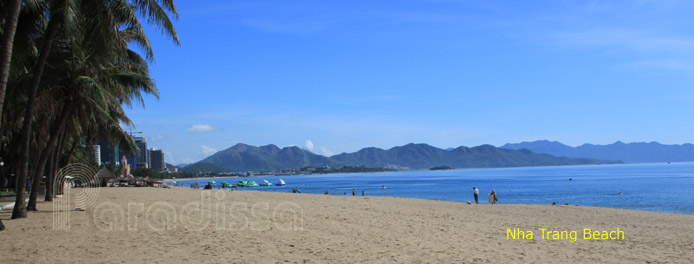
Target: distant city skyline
pixel 335 77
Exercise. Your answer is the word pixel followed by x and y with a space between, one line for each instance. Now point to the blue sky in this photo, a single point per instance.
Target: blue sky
pixel 342 75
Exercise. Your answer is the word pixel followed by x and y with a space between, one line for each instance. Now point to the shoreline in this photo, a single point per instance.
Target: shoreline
pixel 259 189
pixel 459 202
pixel 427 170
pixel 514 185
pixel 278 227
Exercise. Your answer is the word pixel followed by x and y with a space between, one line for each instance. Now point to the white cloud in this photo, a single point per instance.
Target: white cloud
pixel 156 138
pixel 309 144
pixel 207 150
pixel 186 160
pixel 169 157
pixel 326 152
pixel 200 128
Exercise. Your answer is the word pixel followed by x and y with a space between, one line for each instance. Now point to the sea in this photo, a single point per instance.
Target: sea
pixel 660 187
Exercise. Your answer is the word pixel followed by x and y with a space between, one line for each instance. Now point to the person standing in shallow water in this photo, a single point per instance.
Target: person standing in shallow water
pixel 354 192
pixel 362 193
pixel 476 192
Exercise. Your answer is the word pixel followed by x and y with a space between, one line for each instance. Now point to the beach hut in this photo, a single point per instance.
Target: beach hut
pixel 105 176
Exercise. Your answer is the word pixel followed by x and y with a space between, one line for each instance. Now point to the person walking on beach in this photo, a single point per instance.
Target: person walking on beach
pixel 362 193
pixel 476 192
pixel 492 197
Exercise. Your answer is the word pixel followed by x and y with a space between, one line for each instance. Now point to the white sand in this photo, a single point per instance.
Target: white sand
pixel 337 229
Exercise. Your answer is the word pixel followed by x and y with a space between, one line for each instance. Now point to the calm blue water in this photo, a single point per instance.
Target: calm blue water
pixel 653 187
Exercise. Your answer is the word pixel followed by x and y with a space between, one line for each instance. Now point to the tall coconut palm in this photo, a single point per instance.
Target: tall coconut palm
pixel 6 44
pixel 60 15
pixel 122 73
pixel 64 17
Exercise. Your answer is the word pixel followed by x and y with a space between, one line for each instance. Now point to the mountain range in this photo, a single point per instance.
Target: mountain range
pixel 638 152
pixel 242 157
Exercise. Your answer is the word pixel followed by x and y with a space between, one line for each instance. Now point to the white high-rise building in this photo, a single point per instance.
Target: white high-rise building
pixel 96 151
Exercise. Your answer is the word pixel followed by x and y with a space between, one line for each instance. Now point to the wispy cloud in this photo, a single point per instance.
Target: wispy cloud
pixel 681 65
pixel 207 150
pixel 326 152
pixel 169 157
pixel 353 131
pixel 298 27
pixel 156 138
pixel 626 39
pixel 308 145
pixel 638 48
pixel 186 160
pixel 200 128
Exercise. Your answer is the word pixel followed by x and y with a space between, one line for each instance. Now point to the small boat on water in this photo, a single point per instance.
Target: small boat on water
pixel 281 183
pixel 266 183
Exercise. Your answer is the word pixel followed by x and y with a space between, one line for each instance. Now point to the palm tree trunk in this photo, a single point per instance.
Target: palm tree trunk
pixel 20 206
pixel 45 154
pixel 67 159
pixel 55 164
pixel 2 179
pixel 10 28
pixel 51 172
pixel 49 176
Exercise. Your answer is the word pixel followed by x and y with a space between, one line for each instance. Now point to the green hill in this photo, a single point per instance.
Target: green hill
pixel 242 157
pixel 423 156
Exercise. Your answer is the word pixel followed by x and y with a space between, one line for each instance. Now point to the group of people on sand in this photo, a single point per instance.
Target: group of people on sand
pixel 354 192
pixel 476 192
pixel 492 196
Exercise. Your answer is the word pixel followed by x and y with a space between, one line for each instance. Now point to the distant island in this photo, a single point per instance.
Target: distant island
pixel 441 168
pixel 637 152
pixel 270 158
pixel 342 169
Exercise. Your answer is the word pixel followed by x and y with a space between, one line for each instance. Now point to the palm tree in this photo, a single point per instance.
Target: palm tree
pixel 63 18
pixel 9 29
pixel 57 12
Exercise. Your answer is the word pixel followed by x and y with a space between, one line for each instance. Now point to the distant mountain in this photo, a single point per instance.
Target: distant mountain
pixel 640 152
pixel 242 157
pixel 423 156
pixel 171 166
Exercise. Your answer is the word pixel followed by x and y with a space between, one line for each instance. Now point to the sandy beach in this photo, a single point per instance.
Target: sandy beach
pixel 137 225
